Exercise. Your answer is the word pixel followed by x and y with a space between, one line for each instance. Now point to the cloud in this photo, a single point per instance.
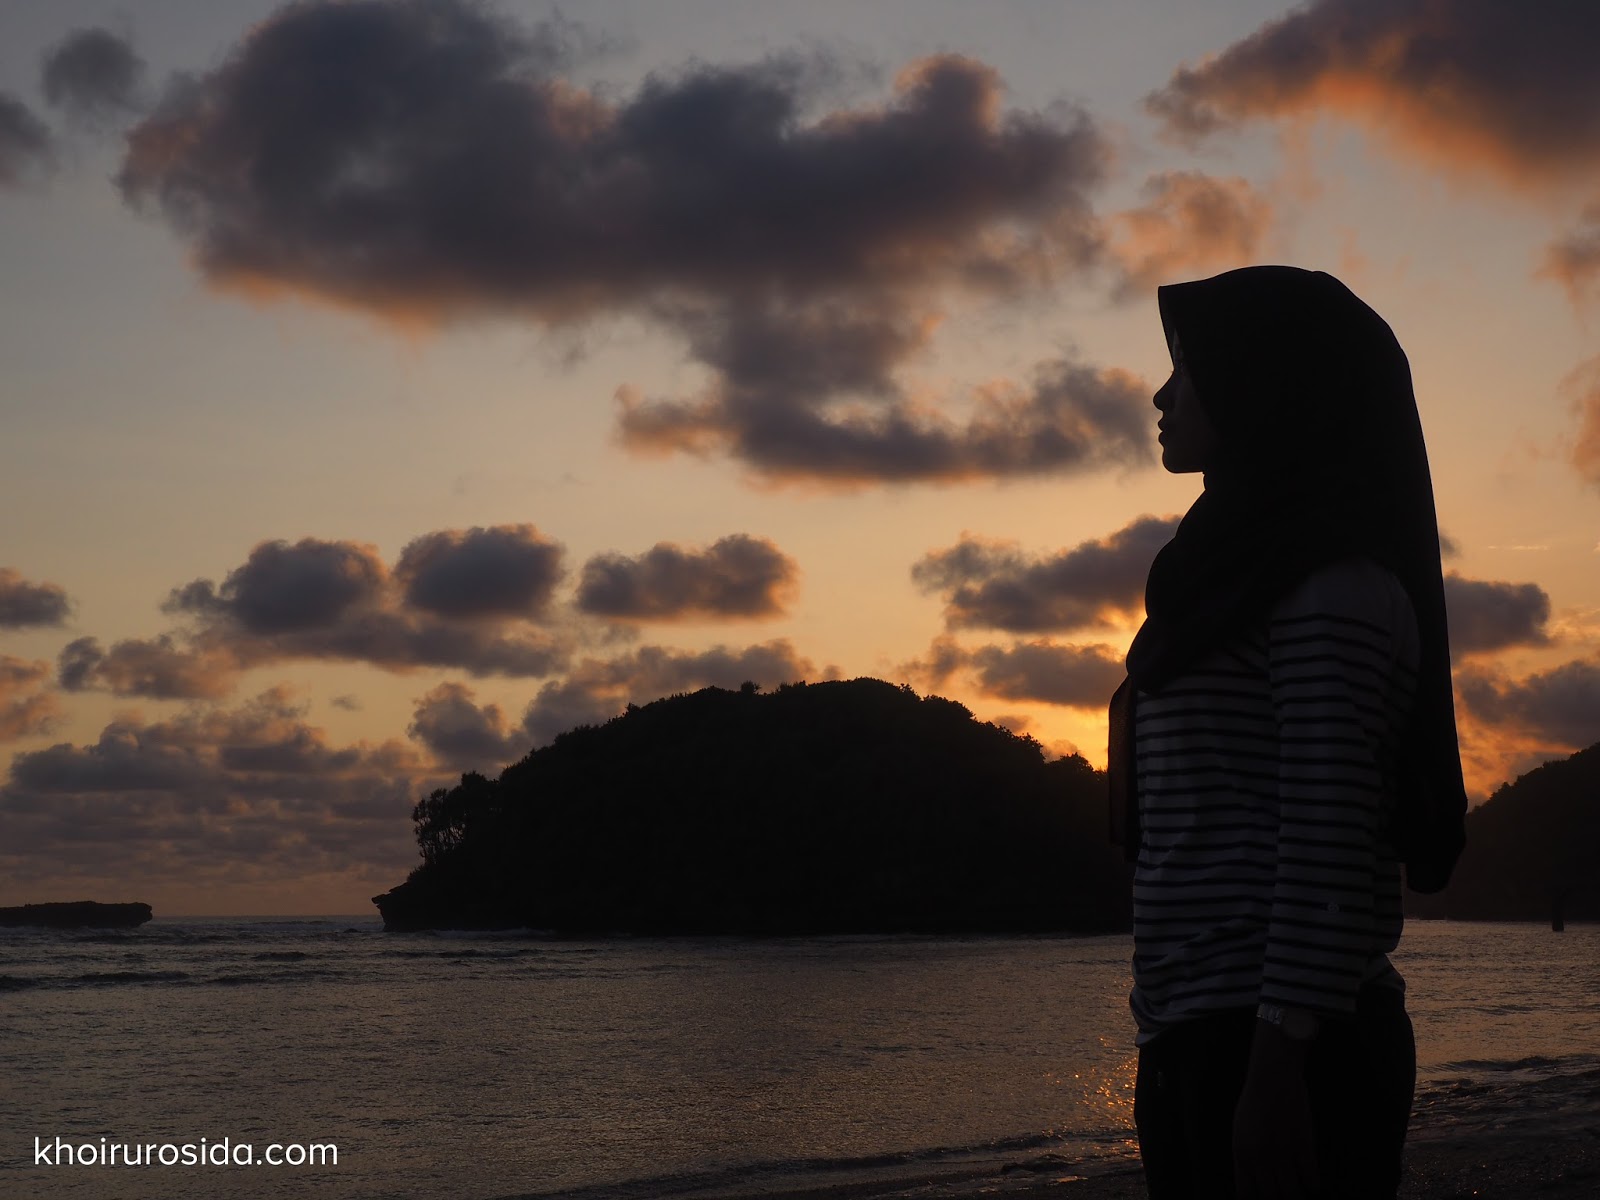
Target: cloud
pixel 596 690
pixel 1098 584
pixel 26 708
pixel 1584 383
pixel 736 576
pixel 1070 418
pixel 210 799
pixel 1489 615
pixel 465 599
pixel 1190 223
pixel 1047 673
pixel 945 657
pixel 1468 85
pixel 158 668
pixel 402 642
pixel 448 165
pixel 1573 261
pixel 502 571
pixel 93 75
pixel 456 599
pixel 23 603
pixel 283 589
pixel 1560 706
pixel 1093 585
pixel 568 703
pixel 1013 722
pixel 1040 671
pixel 1476 83
pixel 802 254
pixel 25 145
pixel 338 601
pixel 464 736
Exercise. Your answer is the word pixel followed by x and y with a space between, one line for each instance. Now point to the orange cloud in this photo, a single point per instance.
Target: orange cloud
pixel 23 603
pixel 25 709
pixel 1097 584
pixel 159 668
pixel 1469 84
pixel 1585 453
pixel 1190 223
pixel 1069 417
pixel 1041 671
pixel 1509 725
pixel 1573 261
pixel 738 576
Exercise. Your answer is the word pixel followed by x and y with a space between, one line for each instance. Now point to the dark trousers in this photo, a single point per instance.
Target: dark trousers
pixel 1360 1075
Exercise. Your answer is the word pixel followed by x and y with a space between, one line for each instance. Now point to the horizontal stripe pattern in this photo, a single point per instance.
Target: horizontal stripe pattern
pixel 1265 781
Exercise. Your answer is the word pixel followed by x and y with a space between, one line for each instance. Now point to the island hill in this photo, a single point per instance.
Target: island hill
pixel 1533 850
pixel 859 806
pixel 847 806
pixel 77 914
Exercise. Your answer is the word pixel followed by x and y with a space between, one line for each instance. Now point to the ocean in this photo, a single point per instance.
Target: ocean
pixel 481 1066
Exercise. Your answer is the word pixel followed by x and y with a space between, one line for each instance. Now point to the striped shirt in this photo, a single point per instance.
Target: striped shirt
pixel 1265 779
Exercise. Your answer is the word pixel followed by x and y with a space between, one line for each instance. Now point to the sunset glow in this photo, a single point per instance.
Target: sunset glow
pixel 369 426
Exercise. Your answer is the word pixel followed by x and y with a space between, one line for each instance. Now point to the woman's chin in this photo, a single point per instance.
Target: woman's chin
pixel 1176 464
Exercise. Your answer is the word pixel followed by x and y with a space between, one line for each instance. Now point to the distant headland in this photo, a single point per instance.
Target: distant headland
pixel 78 914
pixel 856 806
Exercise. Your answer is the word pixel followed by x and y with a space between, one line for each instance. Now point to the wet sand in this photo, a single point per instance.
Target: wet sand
pixel 1532 1134
pixel 1480 1165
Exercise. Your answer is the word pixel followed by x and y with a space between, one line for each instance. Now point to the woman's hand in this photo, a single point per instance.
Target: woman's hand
pixel 1274 1144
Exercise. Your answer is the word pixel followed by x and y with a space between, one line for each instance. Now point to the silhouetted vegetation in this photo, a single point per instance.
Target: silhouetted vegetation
pixel 1533 841
pixel 847 806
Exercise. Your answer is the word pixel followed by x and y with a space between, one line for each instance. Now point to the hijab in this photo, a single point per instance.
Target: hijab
pixel 1320 457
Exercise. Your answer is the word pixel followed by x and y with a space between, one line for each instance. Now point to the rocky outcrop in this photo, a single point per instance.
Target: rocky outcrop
pixel 78 914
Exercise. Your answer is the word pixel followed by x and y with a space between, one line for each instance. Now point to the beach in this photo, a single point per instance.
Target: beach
pixel 1537 1137
pixel 1480 1166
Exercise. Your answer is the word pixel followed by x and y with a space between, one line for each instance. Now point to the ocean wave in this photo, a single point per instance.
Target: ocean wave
pixel 479 935
pixel 1556 1096
pixel 114 978
pixel 182 979
pixel 255 978
pixel 451 952
pixel 1506 1065
pixel 244 931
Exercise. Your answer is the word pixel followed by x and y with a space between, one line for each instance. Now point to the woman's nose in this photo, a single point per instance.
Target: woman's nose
pixel 1163 396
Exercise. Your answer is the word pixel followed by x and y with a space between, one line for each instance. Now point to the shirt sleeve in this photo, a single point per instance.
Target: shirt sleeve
pixel 1331 649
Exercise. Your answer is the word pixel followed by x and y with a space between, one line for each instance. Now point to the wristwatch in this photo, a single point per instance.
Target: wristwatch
pixel 1296 1023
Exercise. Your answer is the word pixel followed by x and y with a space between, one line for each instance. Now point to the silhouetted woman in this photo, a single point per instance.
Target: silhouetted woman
pixel 1284 742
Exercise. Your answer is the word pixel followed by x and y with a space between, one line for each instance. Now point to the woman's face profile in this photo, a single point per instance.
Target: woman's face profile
pixel 1188 440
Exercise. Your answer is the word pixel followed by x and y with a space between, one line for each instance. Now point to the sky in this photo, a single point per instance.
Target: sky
pixel 389 385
